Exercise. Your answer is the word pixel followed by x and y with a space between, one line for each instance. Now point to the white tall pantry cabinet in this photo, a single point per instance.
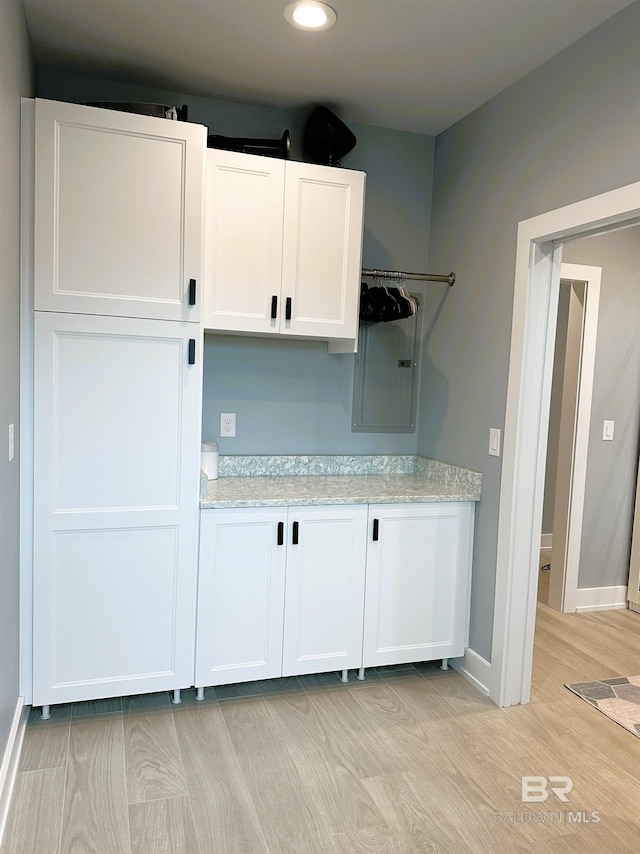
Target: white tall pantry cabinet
pixel 114 269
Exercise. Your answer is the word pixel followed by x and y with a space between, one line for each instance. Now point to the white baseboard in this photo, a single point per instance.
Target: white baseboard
pixel 546 541
pixel 601 598
pixel 475 668
pixel 9 766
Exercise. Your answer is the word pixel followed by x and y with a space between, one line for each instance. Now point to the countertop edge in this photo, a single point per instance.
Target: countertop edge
pixel 317 502
pixel 453 485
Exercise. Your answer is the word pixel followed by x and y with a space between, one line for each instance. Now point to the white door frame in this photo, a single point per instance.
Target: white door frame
pixel 537 279
pixel 633 586
pixel 563 585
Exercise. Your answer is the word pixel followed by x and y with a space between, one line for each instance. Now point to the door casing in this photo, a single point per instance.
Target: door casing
pixel 537 279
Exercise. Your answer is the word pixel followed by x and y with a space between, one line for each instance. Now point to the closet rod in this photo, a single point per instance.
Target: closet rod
pixel 421 277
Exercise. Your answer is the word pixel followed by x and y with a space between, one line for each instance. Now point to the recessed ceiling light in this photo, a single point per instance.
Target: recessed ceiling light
pixel 310 15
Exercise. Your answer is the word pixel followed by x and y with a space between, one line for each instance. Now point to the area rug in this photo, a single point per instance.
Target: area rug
pixel 618 699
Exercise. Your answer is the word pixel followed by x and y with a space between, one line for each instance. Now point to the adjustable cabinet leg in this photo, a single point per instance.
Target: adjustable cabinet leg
pixel 445 664
pixel 361 675
pixel 176 699
pixel 199 694
pixel 45 715
pixel 344 677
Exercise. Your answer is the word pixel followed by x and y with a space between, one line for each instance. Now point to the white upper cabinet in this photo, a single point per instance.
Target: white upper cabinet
pixel 283 247
pixel 118 213
pixel 243 241
pixel 322 250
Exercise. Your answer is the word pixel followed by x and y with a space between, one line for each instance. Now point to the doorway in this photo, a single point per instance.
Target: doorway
pixel 568 434
pixel 537 278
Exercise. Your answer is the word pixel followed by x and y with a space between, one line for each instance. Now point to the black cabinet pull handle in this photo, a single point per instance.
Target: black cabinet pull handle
pixel 280 533
pixel 192 351
pixel 376 533
pixel 274 307
pixel 287 310
pixel 192 291
pixel 294 538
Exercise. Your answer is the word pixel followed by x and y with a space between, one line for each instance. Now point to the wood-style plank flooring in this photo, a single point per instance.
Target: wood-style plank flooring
pixel 412 760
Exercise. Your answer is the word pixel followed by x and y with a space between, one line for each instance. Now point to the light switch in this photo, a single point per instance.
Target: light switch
pixel 607 431
pixel 494 441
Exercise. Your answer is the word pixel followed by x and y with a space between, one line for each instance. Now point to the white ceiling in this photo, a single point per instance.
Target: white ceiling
pixel 417 65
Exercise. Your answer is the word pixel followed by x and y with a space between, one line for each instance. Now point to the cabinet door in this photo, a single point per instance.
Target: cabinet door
pixel 325 589
pixel 322 250
pixel 240 596
pixel 243 242
pixel 116 472
pixel 417 592
pixel 118 212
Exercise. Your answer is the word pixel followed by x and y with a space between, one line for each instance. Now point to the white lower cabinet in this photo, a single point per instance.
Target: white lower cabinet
pixel 281 592
pixel 324 596
pixel 288 591
pixel 116 429
pixel 418 578
pixel 240 596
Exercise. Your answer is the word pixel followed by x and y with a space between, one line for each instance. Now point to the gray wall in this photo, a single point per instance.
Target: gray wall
pixel 567 131
pixel 15 82
pixel 292 396
pixel 611 466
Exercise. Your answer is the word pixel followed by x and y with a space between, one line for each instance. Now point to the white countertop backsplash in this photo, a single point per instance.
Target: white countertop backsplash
pixel 271 481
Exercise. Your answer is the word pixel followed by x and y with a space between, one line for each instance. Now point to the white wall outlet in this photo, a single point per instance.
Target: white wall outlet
pixel 228 424
pixel 607 431
pixel 12 442
pixel 494 441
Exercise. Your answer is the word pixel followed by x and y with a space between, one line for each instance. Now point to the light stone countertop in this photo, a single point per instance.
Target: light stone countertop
pixel 422 481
